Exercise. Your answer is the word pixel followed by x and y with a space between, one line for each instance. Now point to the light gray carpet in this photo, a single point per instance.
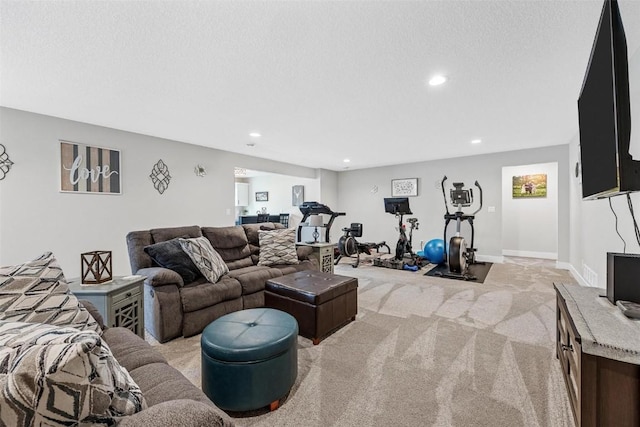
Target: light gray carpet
pixel 427 351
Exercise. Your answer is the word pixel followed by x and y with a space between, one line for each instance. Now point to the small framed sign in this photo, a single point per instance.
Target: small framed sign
pixel 262 196
pixel 404 187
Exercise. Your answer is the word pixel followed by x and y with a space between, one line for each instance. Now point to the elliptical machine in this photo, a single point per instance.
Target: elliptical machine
pixel 348 246
pixel 460 255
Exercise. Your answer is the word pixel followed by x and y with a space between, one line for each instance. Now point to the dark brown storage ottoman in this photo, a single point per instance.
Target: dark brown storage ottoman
pixel 320 302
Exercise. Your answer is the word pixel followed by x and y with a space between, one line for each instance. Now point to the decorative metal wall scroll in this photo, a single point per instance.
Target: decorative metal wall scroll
pixel 160 176
pixel 5 162
pixel 200 171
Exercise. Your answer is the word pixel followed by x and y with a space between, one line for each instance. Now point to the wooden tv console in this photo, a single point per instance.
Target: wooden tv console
pixel 599 351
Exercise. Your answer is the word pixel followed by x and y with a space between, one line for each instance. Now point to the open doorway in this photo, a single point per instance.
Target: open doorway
pixel 266 193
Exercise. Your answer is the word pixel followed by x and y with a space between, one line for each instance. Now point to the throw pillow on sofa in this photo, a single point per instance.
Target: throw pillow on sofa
pixel 169 254
pixel 278 247
pixel 208 261
pixel 37 292
pixel 61 376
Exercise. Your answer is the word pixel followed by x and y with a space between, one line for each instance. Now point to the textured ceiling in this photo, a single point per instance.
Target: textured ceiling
pixel 321 81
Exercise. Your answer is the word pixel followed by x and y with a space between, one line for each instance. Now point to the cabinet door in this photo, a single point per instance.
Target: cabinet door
pixel 242 194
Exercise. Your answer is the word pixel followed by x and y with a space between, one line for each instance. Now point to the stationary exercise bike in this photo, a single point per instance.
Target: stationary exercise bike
pixel 460 255
pixel 348 246
pixel 399 206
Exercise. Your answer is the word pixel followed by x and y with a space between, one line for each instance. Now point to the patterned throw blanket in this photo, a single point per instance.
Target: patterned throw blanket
pixel 37 292
pixel 55 369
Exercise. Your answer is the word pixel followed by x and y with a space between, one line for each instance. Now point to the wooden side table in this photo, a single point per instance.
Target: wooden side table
pixel 323 253
pixel 120 301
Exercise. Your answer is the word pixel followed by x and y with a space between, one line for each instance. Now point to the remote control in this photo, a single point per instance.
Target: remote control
pixel 629 309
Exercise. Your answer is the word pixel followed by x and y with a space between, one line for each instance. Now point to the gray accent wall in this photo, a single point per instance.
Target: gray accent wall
pixel 361 194
pixel 36 217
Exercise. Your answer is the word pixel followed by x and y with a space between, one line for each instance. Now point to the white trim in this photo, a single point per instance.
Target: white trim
pixel 577 276
pixel 530 254
pixel 490 258
pixel 561 265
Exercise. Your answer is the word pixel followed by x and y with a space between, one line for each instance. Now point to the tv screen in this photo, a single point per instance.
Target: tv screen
pixel 604 113
pixel 397 205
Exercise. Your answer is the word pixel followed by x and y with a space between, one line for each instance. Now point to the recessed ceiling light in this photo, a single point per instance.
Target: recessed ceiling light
pixel 476 141
pixel 255 134
pixel 346 160
pixel 437 80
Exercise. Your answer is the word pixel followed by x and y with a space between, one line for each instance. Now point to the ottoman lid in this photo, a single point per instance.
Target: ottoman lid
pixel 313 287
pixel 249 335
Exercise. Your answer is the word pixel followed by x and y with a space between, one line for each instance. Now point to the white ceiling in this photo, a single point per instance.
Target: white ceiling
pixel 321 81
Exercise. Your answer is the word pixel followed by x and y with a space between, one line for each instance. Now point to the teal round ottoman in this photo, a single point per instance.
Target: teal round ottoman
pixel 249 358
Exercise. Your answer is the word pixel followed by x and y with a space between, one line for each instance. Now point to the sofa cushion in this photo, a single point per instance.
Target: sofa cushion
pixel 62 376
pixel 278 247
pixel 230 242
pixel 169 254
pixel 130 350
pixel 252 279
pixel 37 292
pixel 161 383
pixel 208 261
pixel 204 294
pixel 164 234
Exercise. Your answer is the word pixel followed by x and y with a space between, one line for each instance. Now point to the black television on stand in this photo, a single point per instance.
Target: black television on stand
pixel 605 114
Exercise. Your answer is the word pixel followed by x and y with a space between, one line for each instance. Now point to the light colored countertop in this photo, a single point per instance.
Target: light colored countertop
pixel 603 329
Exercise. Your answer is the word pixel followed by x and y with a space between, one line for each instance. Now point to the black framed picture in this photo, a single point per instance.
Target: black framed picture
pixel 262 196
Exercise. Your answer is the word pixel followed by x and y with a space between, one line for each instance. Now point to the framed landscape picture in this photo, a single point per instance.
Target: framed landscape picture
pixel 405 187
pixel 529 186
pixel 262 196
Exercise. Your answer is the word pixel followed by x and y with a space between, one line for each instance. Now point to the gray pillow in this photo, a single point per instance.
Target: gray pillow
pixel 170 255
pixel 210 263
pixel 278 247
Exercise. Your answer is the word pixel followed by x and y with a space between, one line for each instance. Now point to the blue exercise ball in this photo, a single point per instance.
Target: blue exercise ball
pixel 434 251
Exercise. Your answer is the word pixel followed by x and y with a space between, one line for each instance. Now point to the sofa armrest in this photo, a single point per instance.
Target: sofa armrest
pixel 183 412
pixel 159 276
pixel 93 311
pixel 304 252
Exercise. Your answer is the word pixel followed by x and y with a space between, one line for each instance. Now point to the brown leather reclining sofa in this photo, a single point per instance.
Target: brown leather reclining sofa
pixel 174 308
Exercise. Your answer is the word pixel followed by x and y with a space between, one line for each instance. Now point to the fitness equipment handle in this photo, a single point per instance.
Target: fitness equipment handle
pixel 444 194
pixel 479 188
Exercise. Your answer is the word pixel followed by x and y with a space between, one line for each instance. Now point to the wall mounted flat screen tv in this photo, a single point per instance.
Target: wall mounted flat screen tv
pixel 604 113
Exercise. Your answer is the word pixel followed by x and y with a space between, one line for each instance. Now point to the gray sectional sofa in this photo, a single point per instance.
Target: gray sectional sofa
pixel 174 308
pixel 171 398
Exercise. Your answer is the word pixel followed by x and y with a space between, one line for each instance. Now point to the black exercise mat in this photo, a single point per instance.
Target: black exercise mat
pixel 480 271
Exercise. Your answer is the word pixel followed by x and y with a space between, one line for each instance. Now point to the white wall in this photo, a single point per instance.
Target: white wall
pixel 362 204
pixel 36 217
pixel 530 225
pixel 593 231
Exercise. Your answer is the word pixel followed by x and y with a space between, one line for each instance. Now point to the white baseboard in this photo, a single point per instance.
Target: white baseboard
pixel 490 258
pixel 577 276
pixel 561 265
pixel 530 254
